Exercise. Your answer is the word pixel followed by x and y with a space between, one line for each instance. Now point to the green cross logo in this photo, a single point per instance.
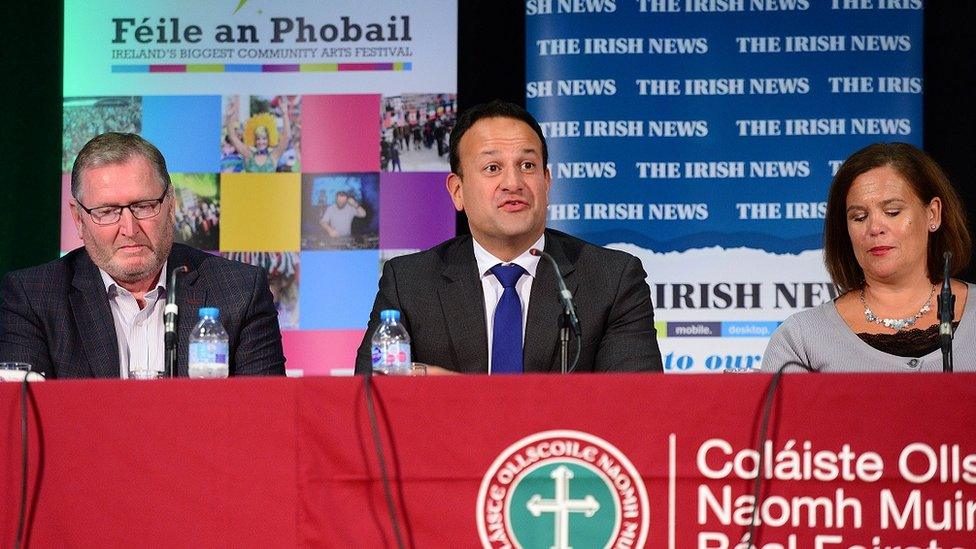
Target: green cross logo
pixel 562 489
pixel 571 509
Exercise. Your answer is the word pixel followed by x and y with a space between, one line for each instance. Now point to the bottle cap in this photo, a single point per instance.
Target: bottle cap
pixel 209 312
pixel 390 314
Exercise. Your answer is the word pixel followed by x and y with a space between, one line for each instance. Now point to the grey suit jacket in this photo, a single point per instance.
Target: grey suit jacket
pixel 439 295
pixel 57 316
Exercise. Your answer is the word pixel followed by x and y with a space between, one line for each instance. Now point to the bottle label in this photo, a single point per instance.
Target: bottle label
pixel 391 356
pixel 208 352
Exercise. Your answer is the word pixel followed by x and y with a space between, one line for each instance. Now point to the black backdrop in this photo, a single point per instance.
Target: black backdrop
pixel 949 111
pixel 491 61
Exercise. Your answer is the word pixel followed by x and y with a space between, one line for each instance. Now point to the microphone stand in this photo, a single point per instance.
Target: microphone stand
pixel 172 313
pixel 567 319
pixel 947 306
pixel 564 325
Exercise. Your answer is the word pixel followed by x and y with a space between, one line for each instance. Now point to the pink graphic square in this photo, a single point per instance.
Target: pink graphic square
pixel 321 352
pixel 69 235
pixel 340 133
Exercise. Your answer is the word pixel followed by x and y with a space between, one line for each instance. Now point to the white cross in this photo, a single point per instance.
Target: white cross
pixel 562 506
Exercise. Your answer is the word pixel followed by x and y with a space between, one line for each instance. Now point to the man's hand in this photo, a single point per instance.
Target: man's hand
pixel 438 371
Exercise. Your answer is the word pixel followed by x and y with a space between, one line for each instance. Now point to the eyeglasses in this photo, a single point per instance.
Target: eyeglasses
pixel 109 215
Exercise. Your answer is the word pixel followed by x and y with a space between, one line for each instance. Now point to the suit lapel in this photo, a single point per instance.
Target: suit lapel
pixel 191 294
pixel 541 346
pixel 93 317
pixel 463 306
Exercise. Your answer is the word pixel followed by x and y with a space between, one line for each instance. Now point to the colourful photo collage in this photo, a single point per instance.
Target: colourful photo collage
pixel 318 190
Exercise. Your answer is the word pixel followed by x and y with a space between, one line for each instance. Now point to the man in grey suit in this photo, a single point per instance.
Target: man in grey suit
pixel 98 311
pixel 458 301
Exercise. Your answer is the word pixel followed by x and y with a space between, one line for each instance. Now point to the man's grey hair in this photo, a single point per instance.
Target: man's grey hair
pixel 112 148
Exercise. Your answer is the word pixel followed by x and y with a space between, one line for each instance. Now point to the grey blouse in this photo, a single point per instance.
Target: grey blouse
pixel 820 338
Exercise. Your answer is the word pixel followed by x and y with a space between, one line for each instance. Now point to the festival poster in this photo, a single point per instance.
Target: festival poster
pixel 301 137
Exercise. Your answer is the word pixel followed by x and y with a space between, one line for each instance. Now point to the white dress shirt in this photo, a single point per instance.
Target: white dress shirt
pixel 139 331
pixel 492 288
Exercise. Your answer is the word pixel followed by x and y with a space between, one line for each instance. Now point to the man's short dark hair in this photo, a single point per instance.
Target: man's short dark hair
pixel 113 148
pixel 492 109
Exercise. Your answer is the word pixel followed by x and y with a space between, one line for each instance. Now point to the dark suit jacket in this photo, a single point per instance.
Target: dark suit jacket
pixel 57 316
pixel 439 294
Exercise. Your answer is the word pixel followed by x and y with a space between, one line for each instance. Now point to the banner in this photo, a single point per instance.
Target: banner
pixel 671 464
pixel 307 138
pixel 702 135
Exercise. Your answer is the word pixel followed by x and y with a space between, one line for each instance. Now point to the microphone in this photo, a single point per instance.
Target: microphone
pixel 564 294
pixel 947 306
pixel 171 314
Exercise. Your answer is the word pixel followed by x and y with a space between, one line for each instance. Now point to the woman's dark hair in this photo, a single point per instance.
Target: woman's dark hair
pixel 927 180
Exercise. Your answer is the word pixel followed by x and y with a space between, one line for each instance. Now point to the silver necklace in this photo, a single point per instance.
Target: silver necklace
pixel 897 324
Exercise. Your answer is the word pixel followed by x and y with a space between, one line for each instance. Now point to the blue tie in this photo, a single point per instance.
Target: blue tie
pixel 506 337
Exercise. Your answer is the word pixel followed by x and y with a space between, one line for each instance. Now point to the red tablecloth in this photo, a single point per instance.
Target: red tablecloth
pixel 286 462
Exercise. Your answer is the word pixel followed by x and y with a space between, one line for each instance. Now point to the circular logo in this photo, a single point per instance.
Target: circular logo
pixel 561 489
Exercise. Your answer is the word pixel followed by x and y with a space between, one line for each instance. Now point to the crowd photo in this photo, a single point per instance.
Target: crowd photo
pixel 416 130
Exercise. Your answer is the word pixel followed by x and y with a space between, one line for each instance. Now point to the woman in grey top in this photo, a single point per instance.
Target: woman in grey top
pixel 891 214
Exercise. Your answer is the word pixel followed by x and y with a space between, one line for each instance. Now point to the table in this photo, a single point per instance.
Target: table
pixel 542 460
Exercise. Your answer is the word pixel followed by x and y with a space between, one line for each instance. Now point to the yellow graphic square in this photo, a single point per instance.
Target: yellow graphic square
pixel 260 212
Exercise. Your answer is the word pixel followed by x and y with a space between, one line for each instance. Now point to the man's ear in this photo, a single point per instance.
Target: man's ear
pixel 76 213
pixel 548 183
pixel 172 206
pixel 454 189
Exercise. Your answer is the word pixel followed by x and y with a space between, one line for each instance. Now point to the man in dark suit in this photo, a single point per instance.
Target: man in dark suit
pixel 98 311
pixel 481 303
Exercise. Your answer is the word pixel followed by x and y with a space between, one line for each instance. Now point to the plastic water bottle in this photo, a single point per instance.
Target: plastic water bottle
pixel 208 346
pixel 391 345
